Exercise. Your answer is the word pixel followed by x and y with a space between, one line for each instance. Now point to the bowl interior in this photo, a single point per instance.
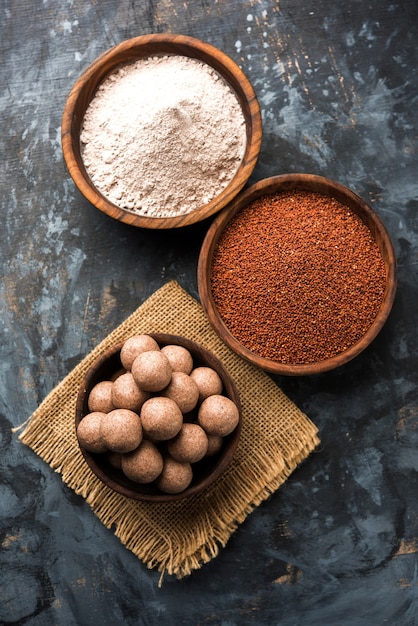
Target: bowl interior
pixel 310 183
pixel 205 472
pixel 131 50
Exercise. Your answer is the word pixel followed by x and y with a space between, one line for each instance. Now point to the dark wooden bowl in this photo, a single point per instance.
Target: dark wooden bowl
pixel 310 183
pixel 85 87
pixel 205 472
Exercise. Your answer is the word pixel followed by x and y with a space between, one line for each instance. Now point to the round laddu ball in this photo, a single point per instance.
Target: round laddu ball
pixel 136 345
pixel 175 477
pixel 151 371
pixel 183 390
pixel 144 464
pixel 161 418
pixel 126 394
pixel 190 445
pixel 180 358
pixel 100 397
pixel 215 443
pixel 218 415
pixel 121 430
pixel 208 382
pixel 88 432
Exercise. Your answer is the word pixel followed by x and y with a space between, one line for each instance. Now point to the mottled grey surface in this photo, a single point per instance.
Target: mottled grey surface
pixel 338 544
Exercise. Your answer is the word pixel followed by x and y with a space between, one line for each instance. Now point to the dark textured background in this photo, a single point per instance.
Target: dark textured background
pixel 338 88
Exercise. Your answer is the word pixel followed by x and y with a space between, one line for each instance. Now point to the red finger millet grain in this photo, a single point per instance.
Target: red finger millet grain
pixel 297 277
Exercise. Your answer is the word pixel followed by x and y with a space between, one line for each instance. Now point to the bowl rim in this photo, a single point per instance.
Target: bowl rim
pixel 225 458
pixel 288 182
pixel 94 74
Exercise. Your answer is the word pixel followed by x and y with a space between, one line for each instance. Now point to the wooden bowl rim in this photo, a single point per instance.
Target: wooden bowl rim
pixel 221 462
pixel 288 182
pixel 181 45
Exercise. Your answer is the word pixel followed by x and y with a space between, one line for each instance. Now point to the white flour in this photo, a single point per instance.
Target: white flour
pixel 163 136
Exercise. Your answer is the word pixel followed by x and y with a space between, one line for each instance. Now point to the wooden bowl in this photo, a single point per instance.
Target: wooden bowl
pixel 286 183
pixel 131 50
pixel 205 472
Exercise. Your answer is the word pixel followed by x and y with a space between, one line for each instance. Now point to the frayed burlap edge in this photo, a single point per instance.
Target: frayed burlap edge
pixel 177 538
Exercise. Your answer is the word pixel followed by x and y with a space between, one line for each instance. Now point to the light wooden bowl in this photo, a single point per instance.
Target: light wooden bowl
pixel 85 87
pixel 310 183
pixel 205 472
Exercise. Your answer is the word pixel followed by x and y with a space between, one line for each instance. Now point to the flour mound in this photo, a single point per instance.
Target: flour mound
pixel 163 136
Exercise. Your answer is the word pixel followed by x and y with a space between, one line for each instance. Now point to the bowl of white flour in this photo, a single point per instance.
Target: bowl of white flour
pixel 161 131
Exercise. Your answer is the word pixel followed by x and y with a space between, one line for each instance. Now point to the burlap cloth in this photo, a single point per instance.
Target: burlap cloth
pixel 179 537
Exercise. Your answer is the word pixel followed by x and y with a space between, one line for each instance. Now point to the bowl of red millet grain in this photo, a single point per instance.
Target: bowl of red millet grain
pixel 161 131
pixel 297 275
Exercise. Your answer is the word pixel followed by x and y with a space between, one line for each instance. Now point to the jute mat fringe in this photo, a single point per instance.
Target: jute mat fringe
pixel 180 537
